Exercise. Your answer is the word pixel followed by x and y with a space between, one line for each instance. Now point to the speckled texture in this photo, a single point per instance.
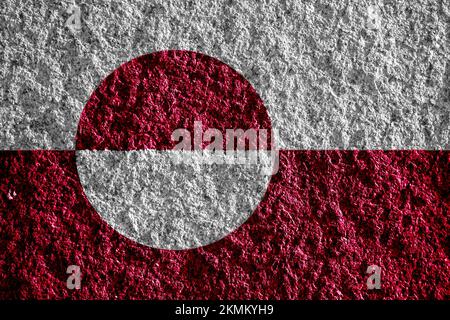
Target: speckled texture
pixel 363 74
pixel 326 217
pixel 171 200
pixel 366 75
pixel 141 103
pixel 148 195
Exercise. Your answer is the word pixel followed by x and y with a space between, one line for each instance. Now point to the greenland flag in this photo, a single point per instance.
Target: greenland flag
pixel 241 165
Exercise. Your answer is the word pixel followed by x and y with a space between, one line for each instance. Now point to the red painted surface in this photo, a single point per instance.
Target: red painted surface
pixel 140 104
pixel 326 216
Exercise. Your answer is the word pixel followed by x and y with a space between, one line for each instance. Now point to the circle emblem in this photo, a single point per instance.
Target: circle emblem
pixel 129 164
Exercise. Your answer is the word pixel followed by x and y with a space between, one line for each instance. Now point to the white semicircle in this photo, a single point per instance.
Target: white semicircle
pixel 173 199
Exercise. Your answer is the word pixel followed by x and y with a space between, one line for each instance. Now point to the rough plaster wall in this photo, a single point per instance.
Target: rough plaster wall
pixel 150 198
pixel 332 74
pixel 165 198
pixel 326 216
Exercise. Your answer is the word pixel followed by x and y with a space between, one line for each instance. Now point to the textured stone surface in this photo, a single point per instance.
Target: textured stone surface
pixel 332 74
pixel 157 200
pixel 141 103
pixel 164 198
pixel 327 216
